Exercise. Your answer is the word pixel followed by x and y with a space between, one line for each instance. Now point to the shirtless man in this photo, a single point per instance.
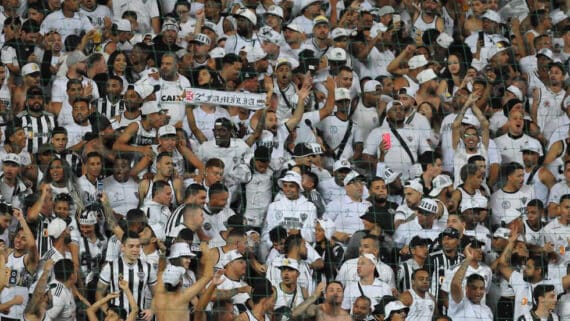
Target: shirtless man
pixel 170 301
pixel 330 310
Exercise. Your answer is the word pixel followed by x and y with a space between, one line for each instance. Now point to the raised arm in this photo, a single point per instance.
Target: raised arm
pixel 394 66
pixel 34 211
pixel 92 310
pixel 504 266
pixel 457 281
pixel 33 306
pixel 32 258
pixel 484 122
pixel 308 308
pixel 110 217
pixel 300 110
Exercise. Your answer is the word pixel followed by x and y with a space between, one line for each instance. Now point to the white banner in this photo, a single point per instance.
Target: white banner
pixel 197 96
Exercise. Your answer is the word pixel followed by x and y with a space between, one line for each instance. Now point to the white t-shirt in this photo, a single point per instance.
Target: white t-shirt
pixel 467 311
pixel 170 98
pixel 374 292
pixel 345 213
pixel 145 11
pixel 66 26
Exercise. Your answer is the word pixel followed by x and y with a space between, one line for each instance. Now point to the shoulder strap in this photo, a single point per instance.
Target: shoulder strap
pixel 285 98
pixel 360 289
pixel 403 143
pixel 531 176
pixel 344 141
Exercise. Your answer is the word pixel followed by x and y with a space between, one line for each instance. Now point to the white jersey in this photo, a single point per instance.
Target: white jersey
pixel 59 93
pixel 345 213
pixel 214 224
pixel 205 121
pixel 533 237
pixel 422 309
pixel 501 201
pixel 461 157
pixel 299 214
pixel 549 106
pixel 66 26
pixel 366 118
pixel 258 197
pixel 511 147
pixel 305 278
pixel 88 190
pixel 76 132
pixel 558 190
pixel 122 196
pixel 97 15
pixel 18 284
pixel 334 130
pixel 406 231
pixel 483 270
pixel 374 292
pixel 348 273
pixel 63 307
pixel 146 10
pixel 170 98
pixel 289 300
pixel 397 158
pixel 420 26
pixel 467 311
pixel 541 191
pixel 91 256
pixel 523 294
pixel 558 234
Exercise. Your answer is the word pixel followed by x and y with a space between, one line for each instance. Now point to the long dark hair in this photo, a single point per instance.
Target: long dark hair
pixel 128 69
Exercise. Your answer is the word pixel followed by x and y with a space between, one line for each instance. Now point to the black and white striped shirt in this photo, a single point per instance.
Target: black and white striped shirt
pixel 174 224
pixel 38 129
pixel 139 276
pixel 437 264
pixel 74 161
pixel 40 231
pixel 107 108
pixel 404 275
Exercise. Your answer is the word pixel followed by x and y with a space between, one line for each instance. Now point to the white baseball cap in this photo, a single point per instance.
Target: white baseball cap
pixel 291 177
pixel 370 257
pixel 275 11
pixel 385 10
pixel 124 25
pixel 255 54
pixel 30 68
pixel 393 306
pixel 56 227
pixel 295 27
pixel 545 52
pixel 266 33
pixel 390 175
pixel 428 205
pixel 515 91
pixel 532 145
pixel 340 164
pixel 173 274
pixel 229 257
pixel 217 52
pixel 144 89
pixel 329 226
pixel 503 233
pixel 88 218
pixel 439 183
pixel 180 249
pixel 426 75
pixel 557 17
pixel 492 15
pixel 306 3
pixel 336 54
pixel 150 107
pixel 167 130
pixel 289 263
pixel 12 158
pixel 340 32
pixel 202 39
pixel 371 86
pixel 415 185
pixel 248 14
pixel 417 61
pixel 352 176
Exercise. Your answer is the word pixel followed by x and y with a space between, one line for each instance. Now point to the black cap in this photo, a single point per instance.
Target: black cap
pixel 34 91
pixel 30 26
pixel 46 148
pixel 262 154
pixel 302 150
pixel 224 122
pixel 375 215
pixel 451 232
pixel 418 241
pixel 475 243
pixel 509 106
pixel 248 72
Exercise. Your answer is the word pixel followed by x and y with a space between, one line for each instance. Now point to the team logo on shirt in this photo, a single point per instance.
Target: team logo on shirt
pixel 278 215
pixel 506 205
pixel 141 275
pixel 524 199
pixel 524 301
pixel 304 216
pixel 207 226
pixel 410 138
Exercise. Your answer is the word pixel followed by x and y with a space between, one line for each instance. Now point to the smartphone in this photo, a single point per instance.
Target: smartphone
pixel 387 138
pixel 99 188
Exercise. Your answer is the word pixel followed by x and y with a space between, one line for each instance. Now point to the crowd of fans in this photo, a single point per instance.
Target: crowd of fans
pixel 411 160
